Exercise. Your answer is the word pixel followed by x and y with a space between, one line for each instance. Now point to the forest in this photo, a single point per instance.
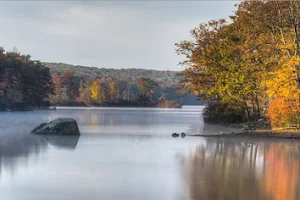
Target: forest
pixel 106 91
pixel 93 86
pixel 23 82
pixel 248 67
pixel 26 84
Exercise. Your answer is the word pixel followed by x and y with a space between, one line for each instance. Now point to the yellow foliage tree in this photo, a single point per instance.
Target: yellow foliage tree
pixel 95 90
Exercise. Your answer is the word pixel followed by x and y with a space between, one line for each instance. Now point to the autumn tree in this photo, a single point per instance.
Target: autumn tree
pixel 37 83
pixel 113 90
pixel 215 64
pixel 97 90
pixel 250 61
pixel 70 91
pixel 23 82
pixel 80 91
pixel 146 88
pixel 65 89
pixel 278 49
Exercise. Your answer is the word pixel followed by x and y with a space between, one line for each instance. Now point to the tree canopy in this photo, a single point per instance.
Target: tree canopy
pixel 251 61
pixel 23 82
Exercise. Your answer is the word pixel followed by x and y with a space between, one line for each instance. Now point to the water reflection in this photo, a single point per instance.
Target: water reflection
pixel 20 148
pixel 61 141
pixel 199 128
pixel 132 156
pixel 243 169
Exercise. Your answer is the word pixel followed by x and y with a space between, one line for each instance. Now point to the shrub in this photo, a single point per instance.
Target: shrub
pixel 218 112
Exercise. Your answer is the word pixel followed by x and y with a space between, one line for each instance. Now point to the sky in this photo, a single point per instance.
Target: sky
pixel 112 34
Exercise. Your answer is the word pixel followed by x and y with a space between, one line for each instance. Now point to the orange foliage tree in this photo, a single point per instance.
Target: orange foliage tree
pixel 284 94
pixel 282 111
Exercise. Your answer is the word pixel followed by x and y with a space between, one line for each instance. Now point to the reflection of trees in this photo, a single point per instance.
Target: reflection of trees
pixel 243 169
pixel 61 141
pixel 210 129
pixel 17 149
pixel 195 129
pixel 94 118
pixel 282 171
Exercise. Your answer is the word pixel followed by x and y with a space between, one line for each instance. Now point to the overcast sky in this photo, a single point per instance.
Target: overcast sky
pixel 113 34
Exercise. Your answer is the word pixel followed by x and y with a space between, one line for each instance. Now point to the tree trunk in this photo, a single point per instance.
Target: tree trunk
pixel 257 105
pixel 247 113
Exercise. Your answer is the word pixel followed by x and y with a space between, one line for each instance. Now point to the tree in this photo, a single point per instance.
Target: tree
pixel 216 69
pixel 281 112
pixel 23 82
pixel 65 89
pixel 37 83
pixel 97 92
pixel 85 92
pixel 56 97
pixel 70 90
pixel 146 88
pixel 239 62
pixel 113 91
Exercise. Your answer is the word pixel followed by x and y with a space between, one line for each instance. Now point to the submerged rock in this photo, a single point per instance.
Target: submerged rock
pixel 60 126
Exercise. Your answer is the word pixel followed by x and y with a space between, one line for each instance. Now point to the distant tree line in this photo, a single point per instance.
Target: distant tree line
pixel 23 82
pixel 166 77
pixel 106 91
pixel 127 83
pixel 26 83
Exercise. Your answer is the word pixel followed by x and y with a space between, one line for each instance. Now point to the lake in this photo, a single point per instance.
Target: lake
pixel 129 154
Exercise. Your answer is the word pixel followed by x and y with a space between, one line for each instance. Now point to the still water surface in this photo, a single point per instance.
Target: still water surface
pixel 128 154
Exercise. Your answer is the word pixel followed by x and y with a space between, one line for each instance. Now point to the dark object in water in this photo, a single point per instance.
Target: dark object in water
pixel 175 135
pixel 182 134
pixel 60 126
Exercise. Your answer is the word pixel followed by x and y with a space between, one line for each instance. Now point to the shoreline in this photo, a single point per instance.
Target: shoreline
pixel 279 134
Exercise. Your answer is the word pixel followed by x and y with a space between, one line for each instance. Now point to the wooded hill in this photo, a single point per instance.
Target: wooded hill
pixel 168 82
pixel 161 77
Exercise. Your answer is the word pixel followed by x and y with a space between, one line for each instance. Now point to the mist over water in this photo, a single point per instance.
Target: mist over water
pixel 129 154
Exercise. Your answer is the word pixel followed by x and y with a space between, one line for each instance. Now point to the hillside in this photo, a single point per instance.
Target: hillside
pixel 167 80
pixel 120 74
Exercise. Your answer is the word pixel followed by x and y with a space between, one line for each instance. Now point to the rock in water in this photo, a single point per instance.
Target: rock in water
pixel 175 135
pixel 182 134
pixel 60 126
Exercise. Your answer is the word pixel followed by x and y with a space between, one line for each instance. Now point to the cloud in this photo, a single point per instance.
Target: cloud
pixel 105 34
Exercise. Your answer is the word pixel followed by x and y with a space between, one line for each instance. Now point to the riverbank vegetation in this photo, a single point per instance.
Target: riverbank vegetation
pixel 23 82
pixel 27 84
pixel 249 67
pixel 106 91
pixel 126 83
pixel 117 87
